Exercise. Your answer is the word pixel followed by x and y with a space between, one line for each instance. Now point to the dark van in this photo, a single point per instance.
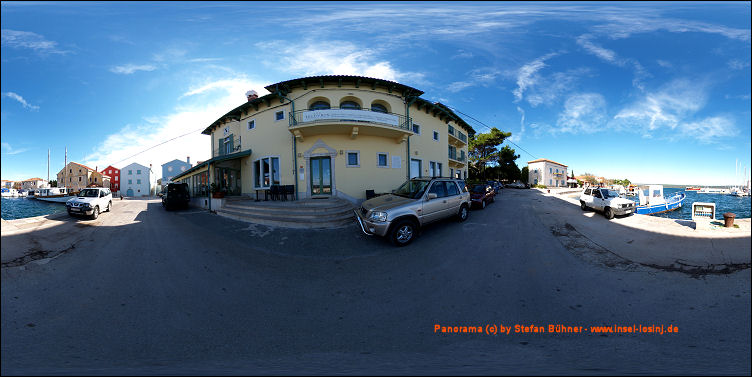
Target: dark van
pixel 175 195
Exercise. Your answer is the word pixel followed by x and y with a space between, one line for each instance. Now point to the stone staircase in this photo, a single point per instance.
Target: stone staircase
pixel 306 213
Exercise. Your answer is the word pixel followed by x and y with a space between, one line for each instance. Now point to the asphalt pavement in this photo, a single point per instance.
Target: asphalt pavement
pixel 145 291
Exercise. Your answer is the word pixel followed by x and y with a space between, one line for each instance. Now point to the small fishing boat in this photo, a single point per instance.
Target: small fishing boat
pixel 54 194
pixel 713 190
pixel 692 188
pixel 633 190
pixel 652 201
pixel 736 191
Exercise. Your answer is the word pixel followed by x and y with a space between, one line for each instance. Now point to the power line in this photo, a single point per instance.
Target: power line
pixel 152 147
pixel 489 128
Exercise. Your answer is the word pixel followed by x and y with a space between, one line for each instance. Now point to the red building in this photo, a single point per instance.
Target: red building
pixel 114 178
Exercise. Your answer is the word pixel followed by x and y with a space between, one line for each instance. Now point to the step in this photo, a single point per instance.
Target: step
pixel 288 211
pixel 289 214
pixel 287 222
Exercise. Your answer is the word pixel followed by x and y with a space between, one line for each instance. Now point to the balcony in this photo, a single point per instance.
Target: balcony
pixel 456 137
pixel 305 123
pixel 455 159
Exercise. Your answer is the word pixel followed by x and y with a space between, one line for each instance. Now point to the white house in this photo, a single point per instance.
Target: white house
pixel 135 180
pixel 546 172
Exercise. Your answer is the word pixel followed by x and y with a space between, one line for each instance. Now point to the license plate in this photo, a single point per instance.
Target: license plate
pixel 628 211
pixel 75 210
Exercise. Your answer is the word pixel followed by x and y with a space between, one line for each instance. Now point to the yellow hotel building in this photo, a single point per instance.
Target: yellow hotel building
pixel 335 136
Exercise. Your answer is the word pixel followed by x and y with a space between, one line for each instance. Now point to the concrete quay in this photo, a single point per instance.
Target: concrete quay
pixel 648 240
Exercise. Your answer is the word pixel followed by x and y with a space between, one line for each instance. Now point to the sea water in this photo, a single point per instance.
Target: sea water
pixel 739 206
pixel 19 208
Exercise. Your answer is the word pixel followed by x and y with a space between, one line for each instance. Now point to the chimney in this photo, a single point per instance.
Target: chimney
pixel 251 95
pixel 188 160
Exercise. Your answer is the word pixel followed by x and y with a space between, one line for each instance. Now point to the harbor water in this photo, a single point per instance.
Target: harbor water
pixel 19 208
pixel 740 206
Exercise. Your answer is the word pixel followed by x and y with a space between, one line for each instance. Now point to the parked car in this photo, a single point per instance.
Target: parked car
pixel 516 185
pixel 482 194
pixel 90 202
pixel 606 200
pixel 175 195
pixel 419 201
pixel 496 185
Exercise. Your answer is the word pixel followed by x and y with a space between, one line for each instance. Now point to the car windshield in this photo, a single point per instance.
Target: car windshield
pixel 478 189
pixel 88 193
pixel 610 193
pixel 412 189
pixel 176 188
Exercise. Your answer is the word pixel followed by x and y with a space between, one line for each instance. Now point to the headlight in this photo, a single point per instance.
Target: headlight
pixel 377 216
pixel 86 205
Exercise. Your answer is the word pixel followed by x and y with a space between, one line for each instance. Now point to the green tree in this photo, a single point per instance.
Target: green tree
pixel 53 183
pixel 482 150
pixel 589 178
pixel 508 169
pixel 524 174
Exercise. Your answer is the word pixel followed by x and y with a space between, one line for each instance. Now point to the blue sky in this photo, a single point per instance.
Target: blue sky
pixel 654 92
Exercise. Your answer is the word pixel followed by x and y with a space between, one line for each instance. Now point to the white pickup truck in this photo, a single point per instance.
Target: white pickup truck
pixel 606 200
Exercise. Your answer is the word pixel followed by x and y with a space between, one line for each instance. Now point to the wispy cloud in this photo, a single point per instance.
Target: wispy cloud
pixel 527 74
pixel 738 64
pixel 135 139
pixel 480 76
pixel 601 52
pixel 8 150
pixel 20 100
pixel 28 40
pixel 129 69
pixel 621 25
pixel 665 64
pixel 610 56
pixel 670 112
pixel 582 113
pixel 333 57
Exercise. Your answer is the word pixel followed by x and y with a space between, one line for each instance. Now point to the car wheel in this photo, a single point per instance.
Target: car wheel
pixel 583 206
pixel 109 207
pixel 482 204
pixel 95 214
pixel 464 212
pixel 403 232
pixel 609 213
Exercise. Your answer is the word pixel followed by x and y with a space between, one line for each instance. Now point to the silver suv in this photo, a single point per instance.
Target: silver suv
pixel 90 201
pixel 415 203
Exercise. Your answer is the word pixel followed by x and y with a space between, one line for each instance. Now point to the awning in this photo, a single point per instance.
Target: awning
pixel 225 157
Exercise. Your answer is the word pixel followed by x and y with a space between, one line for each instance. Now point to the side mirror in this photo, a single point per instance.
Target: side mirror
pixel 431 196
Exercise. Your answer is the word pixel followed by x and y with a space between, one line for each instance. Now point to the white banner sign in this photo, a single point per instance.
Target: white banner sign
pixel 358 115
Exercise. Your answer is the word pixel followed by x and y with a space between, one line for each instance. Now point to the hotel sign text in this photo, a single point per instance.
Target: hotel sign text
pixel 356 115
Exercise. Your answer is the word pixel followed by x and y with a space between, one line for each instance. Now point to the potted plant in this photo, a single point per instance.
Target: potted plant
pixel 217 192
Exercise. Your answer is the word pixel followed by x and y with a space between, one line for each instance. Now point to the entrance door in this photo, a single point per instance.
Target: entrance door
pixel 129 192
pixel 321 176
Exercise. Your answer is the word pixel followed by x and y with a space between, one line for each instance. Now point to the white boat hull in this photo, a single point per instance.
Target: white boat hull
pixel 55 199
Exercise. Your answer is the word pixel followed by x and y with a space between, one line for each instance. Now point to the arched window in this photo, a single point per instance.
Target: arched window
pixel 319 105
pixel 378 108
pixel 349 105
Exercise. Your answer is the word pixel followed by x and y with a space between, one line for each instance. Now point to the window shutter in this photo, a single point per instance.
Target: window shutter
pixel 220 146
pixel 232 143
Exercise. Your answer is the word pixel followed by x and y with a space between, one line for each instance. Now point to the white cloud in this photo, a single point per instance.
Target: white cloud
pixel 665 64
pixel 8 150
pixel 29 40
pixel 135 139
pixel 132 68
pixel 709 130
pixel 738 64
pixel 526 75
pixel 670 113
pixel 480 76
pixel 518 136
pixel 623 24
pixel 583 113
pixel 20 100
pixel 603 53
pixel 333 58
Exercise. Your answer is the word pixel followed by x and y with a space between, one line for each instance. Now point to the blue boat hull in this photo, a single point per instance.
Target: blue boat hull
pixel 675 202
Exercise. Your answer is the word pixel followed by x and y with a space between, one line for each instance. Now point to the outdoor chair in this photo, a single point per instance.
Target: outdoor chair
pixel 274 192
pixel 288 190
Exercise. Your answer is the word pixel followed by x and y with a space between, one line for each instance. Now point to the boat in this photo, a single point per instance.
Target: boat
pixel 633 190
pixel 691 188
pixel 652 201
pixel 9 193
pixel 713 190
pixel 54 194
pixel 737 191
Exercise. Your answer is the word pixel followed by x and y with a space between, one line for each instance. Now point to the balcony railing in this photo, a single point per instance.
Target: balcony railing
pixel 453 155
pixel 458 134
pixel 329 116
pixel 230 147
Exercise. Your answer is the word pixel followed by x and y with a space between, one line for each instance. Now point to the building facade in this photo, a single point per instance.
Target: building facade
pixel 546 172
pixel 75 176
pixel 332 136
pixel 135 180
pixel 173 168
pixel 34 183
pixel 114 174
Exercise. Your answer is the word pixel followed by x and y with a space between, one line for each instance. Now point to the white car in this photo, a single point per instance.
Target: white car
pixel 606 200
pixel 90 202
